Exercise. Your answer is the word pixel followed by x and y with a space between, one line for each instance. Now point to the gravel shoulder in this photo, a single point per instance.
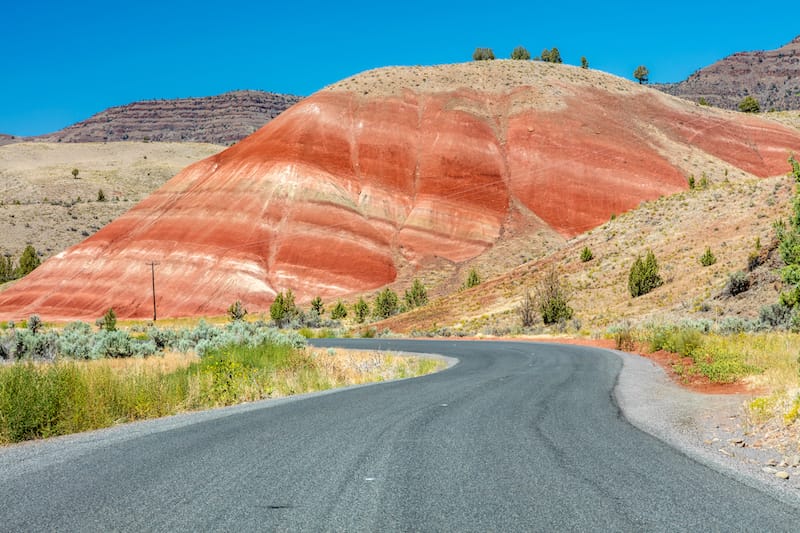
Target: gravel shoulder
pixel 705 427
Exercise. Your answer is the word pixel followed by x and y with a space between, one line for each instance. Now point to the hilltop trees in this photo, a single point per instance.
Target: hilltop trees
pixel 551 56
pixel 520 52
pixel 584 62
pixel 641 73
pixel 482 54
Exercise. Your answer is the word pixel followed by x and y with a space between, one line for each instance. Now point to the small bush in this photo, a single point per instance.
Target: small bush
pixel 386 304
pixel 237 311
pixel 34 324
pixel 361 310
pixel 623 336
pixel 482 54
pixel 109 320
pixel 776 316
pixel 748 104
pixel 283 309
pixel 708 258
pixel 417 295
pixel 738 282
pixel 520 53
pixel 552 299
pixel 527 310
pixel 643 276
pixel 753 260
pixel 586 254
pixel 339 311
pixel 473 279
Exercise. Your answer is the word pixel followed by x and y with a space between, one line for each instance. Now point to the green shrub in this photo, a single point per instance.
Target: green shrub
pixel 317 306
pixel 283 309
pixel 417 295
pixel 473 279
pixel 738 282
pixel 643 276
pixel 76 341
pixel 28 262
pixel 691 182
pixel 586 254
pixel 361 310
pixel 520 53
pixel 386 304
pixel 776 316
pixel 34 324
pixel 708 258
pixel 552 299
pixel 109 320
pixel 482 54
pixel 551 56
pixel 748 104
pixel 339 311
pixel 237 311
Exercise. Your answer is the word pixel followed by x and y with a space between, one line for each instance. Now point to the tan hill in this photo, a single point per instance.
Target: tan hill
pixel 733 217
pixel 44 205
pixel 222 119
pixel 397 172
pixel 772 77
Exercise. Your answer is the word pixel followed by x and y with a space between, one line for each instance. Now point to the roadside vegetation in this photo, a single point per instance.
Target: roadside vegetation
pixel 56 382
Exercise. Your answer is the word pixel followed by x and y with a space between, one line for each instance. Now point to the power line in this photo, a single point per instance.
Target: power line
pixel 153 277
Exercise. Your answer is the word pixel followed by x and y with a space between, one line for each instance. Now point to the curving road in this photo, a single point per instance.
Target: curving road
pixel 516 437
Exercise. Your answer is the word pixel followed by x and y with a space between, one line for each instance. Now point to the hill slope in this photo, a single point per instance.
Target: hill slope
pixel 772 77
pixel 221 119
pixel 392 171
pixel 44 205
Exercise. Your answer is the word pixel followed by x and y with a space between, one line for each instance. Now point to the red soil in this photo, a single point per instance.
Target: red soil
pixel 332 196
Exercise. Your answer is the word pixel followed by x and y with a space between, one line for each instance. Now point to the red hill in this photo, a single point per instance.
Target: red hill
pixel 391 168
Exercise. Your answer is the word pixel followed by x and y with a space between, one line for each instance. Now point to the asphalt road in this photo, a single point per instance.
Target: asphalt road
pixel 516 437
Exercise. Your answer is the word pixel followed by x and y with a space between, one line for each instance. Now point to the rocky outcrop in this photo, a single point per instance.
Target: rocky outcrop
pixel 391 168
pixel 772 77
pixel 222 119
pixel 7 139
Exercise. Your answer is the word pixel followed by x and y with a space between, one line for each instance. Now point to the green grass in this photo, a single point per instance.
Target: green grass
pixel 40 400
pixel 720 358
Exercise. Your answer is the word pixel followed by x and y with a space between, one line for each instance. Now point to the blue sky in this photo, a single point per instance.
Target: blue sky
pixel 62 62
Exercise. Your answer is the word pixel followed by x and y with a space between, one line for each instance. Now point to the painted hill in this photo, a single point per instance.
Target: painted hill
pixel 222 119
pixel 390 171
pixel 772 77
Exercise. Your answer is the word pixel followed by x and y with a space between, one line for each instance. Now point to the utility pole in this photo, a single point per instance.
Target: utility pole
pixel 153 276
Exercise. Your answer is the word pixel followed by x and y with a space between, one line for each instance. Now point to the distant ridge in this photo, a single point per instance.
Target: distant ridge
pixel 222 119
pixel 772 77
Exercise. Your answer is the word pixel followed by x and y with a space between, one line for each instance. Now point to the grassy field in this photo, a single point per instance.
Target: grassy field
pixel 40 400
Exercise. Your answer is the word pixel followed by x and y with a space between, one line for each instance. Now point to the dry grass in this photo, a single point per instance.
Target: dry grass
pixel 40 203
pixel 553 81
pixel 730 217
pixel 39 400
